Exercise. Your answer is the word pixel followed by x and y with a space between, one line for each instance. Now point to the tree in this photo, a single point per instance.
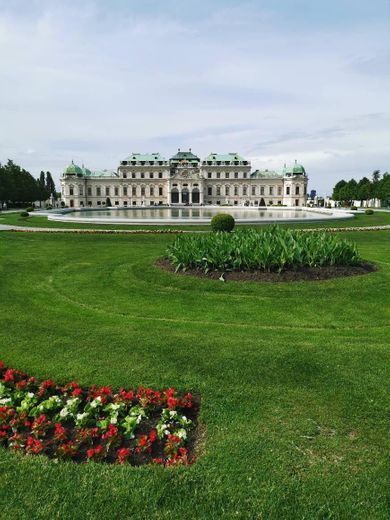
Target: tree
pixel 336 190
pixel 364 190
pixel 376 175
pixel 17 185
pixel 43 193
pixel 50 185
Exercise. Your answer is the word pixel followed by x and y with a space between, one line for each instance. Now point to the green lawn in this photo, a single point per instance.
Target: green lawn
pixel 377 219
pixel 294 379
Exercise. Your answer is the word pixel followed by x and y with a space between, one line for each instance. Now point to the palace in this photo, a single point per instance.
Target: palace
pixel 150 179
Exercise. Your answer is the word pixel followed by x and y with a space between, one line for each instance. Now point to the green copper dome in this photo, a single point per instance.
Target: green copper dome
pixel 73 169
pixel 295 169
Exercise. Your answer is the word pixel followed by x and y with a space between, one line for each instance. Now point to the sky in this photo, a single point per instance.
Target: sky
pixel 96 80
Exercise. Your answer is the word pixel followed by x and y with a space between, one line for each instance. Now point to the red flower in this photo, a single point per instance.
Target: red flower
pixel 153 435
pixel 171 402
pixel 1 364
pixel 122 455
pixel 90 453
pixel 76 392
pixel 9 375
pixel 59 432
pixel 21 384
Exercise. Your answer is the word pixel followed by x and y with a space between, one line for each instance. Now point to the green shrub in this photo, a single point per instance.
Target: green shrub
pixel 369 212
pixel 270 249
pixel 353 208
pixel 24 214
pixel 222 222
pixel 30 209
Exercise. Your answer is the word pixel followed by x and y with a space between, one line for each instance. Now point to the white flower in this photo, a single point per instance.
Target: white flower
pixel 181 433
pixel 64 412
pixel 5 400
pixel 30 395
pixel 81 416
pixel 114 419
pixel 96 402
pixel 172 414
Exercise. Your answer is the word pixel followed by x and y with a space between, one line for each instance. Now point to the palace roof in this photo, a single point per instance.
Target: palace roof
pixel 266 174
pixel 184 156
pixel 145 157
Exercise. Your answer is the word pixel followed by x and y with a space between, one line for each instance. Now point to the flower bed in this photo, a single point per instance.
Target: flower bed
pixel 273 249
pixel 69 422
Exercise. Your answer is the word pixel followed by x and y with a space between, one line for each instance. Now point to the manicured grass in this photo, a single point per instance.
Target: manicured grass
pixel 377 219
pixel 294 379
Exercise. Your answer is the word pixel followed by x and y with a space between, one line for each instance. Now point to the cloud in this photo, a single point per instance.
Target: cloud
pixel 275 82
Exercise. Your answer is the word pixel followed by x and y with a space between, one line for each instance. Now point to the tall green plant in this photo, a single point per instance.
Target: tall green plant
pixel 270 249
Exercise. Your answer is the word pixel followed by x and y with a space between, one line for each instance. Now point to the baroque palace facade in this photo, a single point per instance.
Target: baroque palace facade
pixel 150 179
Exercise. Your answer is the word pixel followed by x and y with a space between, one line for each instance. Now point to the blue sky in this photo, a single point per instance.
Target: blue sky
pixel 275 81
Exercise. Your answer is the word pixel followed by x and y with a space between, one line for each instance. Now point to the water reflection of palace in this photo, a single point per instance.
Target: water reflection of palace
pixel 184 179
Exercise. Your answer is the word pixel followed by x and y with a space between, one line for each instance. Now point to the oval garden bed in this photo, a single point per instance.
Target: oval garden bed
pixel 69 422
pixel 273 254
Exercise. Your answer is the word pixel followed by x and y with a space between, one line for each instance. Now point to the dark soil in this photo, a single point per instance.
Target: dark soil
pixel 302 274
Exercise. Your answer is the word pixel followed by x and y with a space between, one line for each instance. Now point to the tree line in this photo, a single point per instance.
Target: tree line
pixel 18 186
pixel 365 189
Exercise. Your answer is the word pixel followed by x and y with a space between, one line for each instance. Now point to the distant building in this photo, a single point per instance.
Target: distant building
pixel 150 179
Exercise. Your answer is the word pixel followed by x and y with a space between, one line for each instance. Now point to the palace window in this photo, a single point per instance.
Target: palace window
pixel 218 175
pixel 151 175
pixel 245 175
pixel 160 191
pixel 125 191
pixel 261 190
pixel 89 191
pixel 235 190
pixel 99 203
pixel 142 175
pixel 151 191
pixel 209 190
pixel 124 175
pixel 142 191
pixel 70 190
pixel 226 175
pixel 107 190
pixel 236 175
pixel 209 175
pixel 271 190
pixel 296 190
pixel 81 191
pixel 227 190
pixel 244 190
pixel 279 190
pixel 116 191
pixel 133 175
pixel 218 190
pixel 98 192
pixel 288 190
pixel 134 191
pixel 160 175
pixel 253 190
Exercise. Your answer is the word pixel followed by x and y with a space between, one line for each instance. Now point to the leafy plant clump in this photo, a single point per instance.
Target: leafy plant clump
pixel 24 214
pixel 30 209
pixel 273 249
pixel 222 222
pixel 369 212
pixel 69 422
